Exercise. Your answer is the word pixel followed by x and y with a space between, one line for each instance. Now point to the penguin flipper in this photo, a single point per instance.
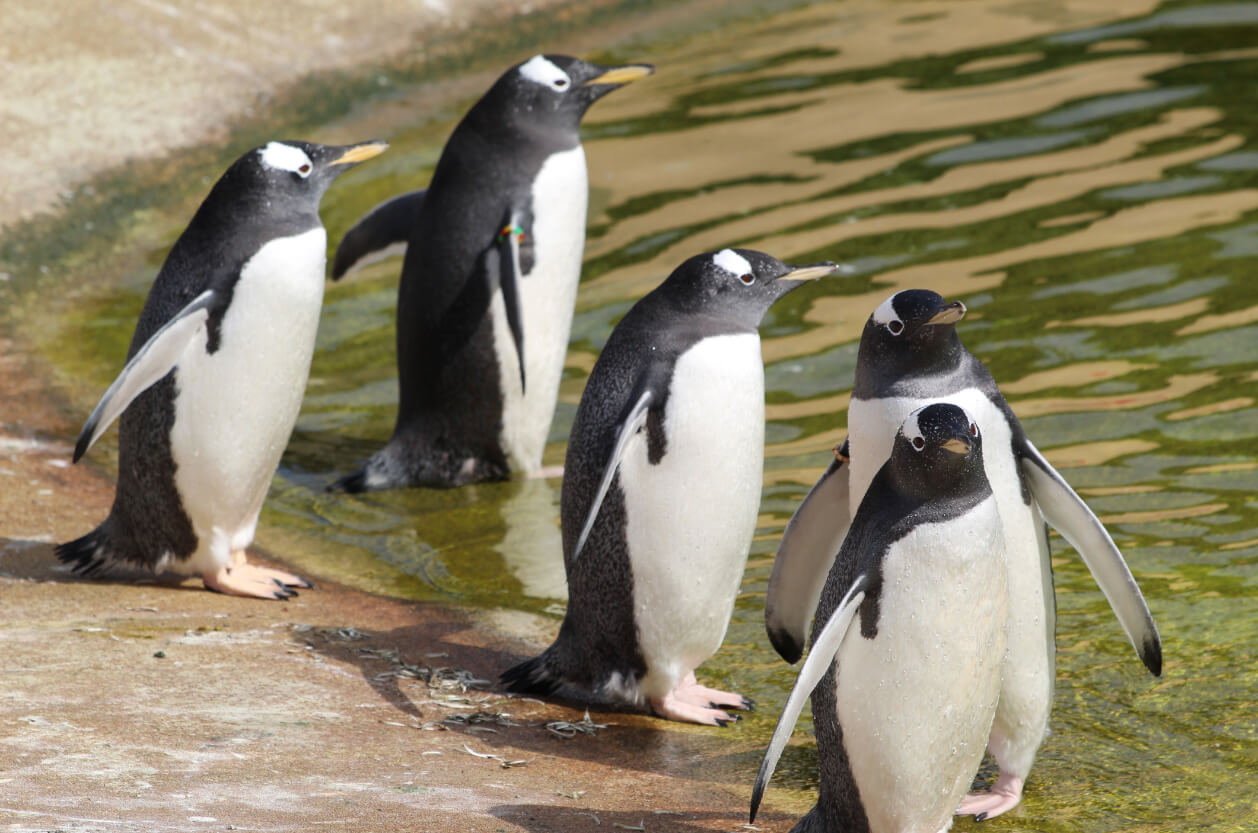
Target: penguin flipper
pixel 509 277
pixel 824 647
pixel 809 544
pixel 149 364
pixel 630 425
pixel 381 232
pixel 1069 515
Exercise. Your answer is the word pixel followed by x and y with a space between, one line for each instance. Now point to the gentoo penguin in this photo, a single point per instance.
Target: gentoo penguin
pixel 902 702
pixel 661 491
pixel 910 354
pixel 493 257
pixel 216 372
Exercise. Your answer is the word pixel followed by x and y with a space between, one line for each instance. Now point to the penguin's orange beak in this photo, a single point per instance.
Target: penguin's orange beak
pixel 809 273
pixel 958 445
pixel 360 153
pixel 622 75
pixel 950 314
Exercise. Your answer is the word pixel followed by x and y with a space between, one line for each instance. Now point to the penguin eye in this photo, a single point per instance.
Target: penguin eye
pixel 304 170
pixel 747 279
pixel 918 442
pixel 895 326
pixel 973 430
pixel 560 83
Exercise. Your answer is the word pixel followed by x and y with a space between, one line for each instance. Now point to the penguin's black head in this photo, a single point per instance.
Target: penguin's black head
pixel 552 92
pixel 938 452
pixel 292 176
pixel 735 286
pixel 910 333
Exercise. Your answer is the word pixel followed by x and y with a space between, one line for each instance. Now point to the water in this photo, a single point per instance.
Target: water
pixel 1084 180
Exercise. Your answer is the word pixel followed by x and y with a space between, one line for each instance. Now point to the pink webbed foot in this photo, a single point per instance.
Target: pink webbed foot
pixel 1004 795
pixel 245 579
pixel 693 692
pixel 545 473
pixel 673 706
pixel 694 703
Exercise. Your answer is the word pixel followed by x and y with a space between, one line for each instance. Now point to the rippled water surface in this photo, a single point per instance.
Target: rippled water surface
pixel 1086 180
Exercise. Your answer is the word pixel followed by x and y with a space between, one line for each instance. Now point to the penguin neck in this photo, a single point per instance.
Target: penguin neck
pixel 885 368
pixel 505 127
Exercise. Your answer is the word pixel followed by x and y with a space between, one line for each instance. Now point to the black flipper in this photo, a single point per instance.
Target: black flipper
pixel 157 357
pixel 382 231
pixel 508 242
pixel 632 422
pixel 808 547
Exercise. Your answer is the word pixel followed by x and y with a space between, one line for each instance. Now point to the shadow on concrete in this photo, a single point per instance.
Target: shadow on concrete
pixel 537 818
pixel 37 561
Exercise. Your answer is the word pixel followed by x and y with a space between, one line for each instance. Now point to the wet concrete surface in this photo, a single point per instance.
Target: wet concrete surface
pixel 129 704
pixel 134 704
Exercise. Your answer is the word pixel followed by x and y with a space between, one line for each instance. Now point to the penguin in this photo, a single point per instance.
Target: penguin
pixel 910 354
pixel 489 280
pixel 661 491
pixel 215 375
pixel 909 641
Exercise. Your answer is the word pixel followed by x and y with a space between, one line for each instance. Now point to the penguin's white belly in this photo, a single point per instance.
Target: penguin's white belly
pixel 916 702
pixel 690 518
pixel 1029 675
pixel 235 408
pixel 547 297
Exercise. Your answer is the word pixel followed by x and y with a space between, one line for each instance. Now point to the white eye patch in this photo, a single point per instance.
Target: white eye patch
pixel 912 431
pixel 885 315
pixel 732 262
pixel 286 158
pixel 541 71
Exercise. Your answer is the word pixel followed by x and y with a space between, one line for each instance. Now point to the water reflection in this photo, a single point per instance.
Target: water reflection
pixel 1082 175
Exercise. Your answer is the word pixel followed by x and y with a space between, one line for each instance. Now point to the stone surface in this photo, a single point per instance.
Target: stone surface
pixel 134 705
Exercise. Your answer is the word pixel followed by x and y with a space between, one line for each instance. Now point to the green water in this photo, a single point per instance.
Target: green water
pixel 1084 180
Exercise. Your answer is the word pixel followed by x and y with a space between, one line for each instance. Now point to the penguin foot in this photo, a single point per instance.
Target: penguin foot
pixel 692 692
pixel 545 473
pixel 1004 795
pixel 243 579
pixel 673 707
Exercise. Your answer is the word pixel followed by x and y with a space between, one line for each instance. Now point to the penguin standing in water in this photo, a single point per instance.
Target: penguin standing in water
pixel 909 641
pixel 909 355
pixel 489 280
pixel 215 375
pixel 661 491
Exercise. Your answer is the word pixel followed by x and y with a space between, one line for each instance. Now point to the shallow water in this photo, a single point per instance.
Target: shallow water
pixel 1084 180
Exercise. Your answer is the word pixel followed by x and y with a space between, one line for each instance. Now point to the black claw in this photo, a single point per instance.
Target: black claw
pixel 305 584
pixel 980 817
pixel 722 722
pixel 278 583
pixel 749 704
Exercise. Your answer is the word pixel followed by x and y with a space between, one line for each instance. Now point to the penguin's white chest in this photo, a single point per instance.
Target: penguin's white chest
pixel 690 517
pixel 916 702
pixel 547 296
pixel 235 408
pixel 1029 673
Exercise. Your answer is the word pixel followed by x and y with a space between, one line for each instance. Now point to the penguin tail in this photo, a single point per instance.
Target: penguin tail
pixel 88 555
pixel 533 676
